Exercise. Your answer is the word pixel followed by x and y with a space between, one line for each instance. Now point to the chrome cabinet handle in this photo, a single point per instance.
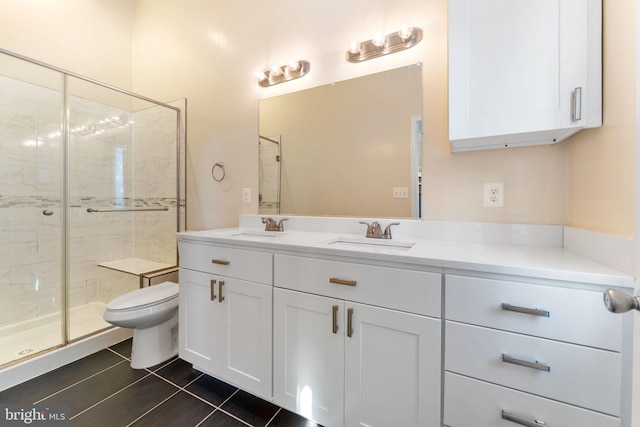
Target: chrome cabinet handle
pixel 507 416
pixel 47 212
pixel 334 313
pixel 533 365
pixel 337 281
pixel 576 107
pixel 577 104
pixel 213 292
pixel 220 262
pixel 220 285
pixel 525 310
pixel 349 322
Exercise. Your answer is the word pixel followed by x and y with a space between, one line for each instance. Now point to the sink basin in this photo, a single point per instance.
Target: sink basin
pixel 256 235
pixel 363 242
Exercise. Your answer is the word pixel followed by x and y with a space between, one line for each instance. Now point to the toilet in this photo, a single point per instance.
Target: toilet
pixel 152 313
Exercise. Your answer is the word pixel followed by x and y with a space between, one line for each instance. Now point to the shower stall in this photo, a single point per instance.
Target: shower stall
pixel 91 197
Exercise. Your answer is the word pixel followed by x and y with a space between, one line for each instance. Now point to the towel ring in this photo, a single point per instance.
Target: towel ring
pixel 220 175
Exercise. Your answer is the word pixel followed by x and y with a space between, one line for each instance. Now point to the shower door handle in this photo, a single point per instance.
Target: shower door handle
pixel 47 212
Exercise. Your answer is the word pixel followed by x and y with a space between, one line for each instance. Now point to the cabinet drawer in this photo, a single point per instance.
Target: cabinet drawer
pixel 253 266
pixel 472 403
pixel 395 288
pixel 574 315
pixel 582 376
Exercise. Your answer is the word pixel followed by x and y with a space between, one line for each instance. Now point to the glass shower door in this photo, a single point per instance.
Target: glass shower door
pixel 122 196
pixel 31 209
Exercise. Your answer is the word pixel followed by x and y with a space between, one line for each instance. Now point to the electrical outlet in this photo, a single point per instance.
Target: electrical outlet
pixel 400 193
pixel 493 195
pixel 246 195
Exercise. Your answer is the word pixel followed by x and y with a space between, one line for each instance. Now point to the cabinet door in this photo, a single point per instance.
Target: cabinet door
pixel 308 354
pixel 392 368
pixel 197 320
pixel 514 67
pixel 245 335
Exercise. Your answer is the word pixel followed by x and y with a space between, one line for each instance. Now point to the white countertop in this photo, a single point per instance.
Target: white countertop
pixel 531 261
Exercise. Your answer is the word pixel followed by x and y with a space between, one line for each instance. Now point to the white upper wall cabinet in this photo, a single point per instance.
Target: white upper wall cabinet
pixel 523 72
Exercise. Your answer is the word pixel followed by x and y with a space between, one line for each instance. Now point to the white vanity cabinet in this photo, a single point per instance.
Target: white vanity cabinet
pixel 356 344
pixel 519 353
pixel 225 319
pixel 523 72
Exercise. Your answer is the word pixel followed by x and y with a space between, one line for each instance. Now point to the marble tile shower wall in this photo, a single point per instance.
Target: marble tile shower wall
pixel 102 168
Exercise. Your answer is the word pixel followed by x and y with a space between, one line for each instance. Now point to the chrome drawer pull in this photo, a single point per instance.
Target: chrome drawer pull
pixel 220 262
pixel 342 282
pixel 525 310
pixel 533 365
pixel 507 416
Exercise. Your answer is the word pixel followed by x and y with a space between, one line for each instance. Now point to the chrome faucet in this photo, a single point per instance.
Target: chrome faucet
pixel 271 225
pixel 374 230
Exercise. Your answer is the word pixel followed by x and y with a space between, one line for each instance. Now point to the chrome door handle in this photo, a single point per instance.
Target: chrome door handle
pixel 349 322
pixel 576 113
pixel 213 292
pixel 526 310
pixel 533 365
pixel 619 302
pixel 507 416
pixel 47 212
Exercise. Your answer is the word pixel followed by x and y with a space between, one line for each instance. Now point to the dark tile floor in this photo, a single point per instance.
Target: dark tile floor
pixel 103 390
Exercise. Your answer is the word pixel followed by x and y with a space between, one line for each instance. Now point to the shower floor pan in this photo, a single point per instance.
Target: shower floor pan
pixel 36 335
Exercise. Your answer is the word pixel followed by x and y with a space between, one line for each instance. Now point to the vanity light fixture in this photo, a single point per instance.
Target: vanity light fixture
pixel 381 45
pixel 275 74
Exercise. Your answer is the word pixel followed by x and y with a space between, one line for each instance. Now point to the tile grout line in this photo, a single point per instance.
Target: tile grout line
pixel 109 397
pixel 157 406
pixel 78 382
pixel 272 418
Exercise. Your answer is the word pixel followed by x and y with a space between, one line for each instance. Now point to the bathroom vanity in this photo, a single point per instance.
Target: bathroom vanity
pixel 350 331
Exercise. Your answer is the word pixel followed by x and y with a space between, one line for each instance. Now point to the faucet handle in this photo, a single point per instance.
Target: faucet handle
pixel 280 225
pixel 368 227
pixel 270 224
pixel 387 230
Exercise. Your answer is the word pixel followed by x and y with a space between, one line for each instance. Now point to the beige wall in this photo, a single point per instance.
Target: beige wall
pixel 208 52
pixel 602 160
pixel 88 37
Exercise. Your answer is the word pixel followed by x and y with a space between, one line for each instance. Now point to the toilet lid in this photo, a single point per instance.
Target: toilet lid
pixel 155 294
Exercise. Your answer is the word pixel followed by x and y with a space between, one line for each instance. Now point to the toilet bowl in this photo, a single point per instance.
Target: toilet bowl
pixel 152 313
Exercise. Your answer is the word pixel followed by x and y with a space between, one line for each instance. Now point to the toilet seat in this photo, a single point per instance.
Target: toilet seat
pixel 144 297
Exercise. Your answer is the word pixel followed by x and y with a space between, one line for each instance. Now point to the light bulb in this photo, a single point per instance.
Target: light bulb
pixel 378 39
pixel 405 32
pixel 275 71
pixel 261 76
pixel 354 47
pixel 293 65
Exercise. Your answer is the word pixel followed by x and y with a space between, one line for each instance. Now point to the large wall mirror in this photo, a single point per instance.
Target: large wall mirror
pixel 350 148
